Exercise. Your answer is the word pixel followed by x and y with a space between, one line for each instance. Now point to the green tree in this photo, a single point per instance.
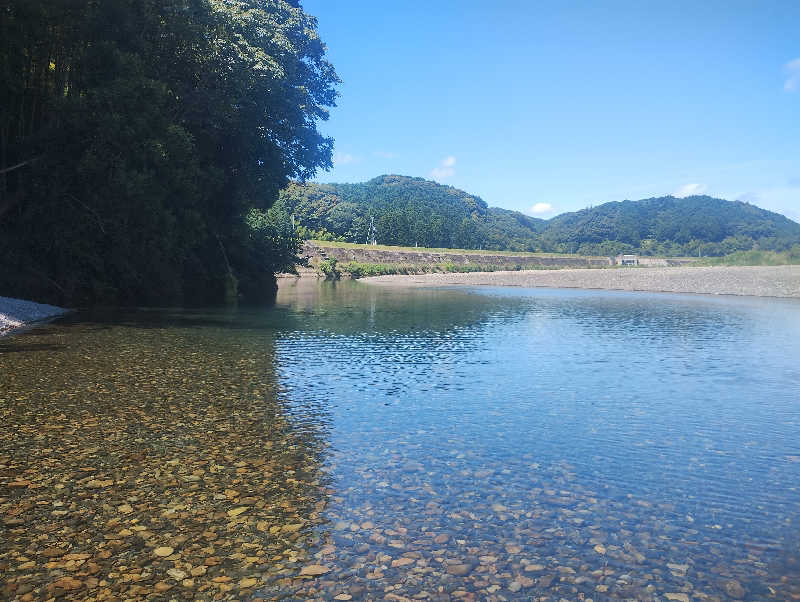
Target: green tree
pixel 137 136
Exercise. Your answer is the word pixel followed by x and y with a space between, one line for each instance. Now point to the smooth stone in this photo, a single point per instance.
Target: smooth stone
pixel 679 569
pixel 313 570
pixel 162 586
pixel 734 589
pixel 176 574
pixel 459 570
pixel 68 583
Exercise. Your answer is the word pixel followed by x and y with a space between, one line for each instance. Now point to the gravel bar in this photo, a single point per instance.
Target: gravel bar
pixel 759 281
pixel 15 313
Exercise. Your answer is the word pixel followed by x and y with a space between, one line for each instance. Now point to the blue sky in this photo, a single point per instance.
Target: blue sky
pixel 545 107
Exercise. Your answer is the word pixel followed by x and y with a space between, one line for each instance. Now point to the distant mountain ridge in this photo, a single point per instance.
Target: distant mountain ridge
pixel 408 211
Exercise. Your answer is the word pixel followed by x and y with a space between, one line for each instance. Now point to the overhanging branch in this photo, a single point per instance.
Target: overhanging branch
pixel 18 165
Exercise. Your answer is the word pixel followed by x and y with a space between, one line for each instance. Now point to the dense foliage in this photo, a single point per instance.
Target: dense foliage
pixel 756 257
pixel 403 211
pixel 412 211
pixel 142 141
pixel 697 225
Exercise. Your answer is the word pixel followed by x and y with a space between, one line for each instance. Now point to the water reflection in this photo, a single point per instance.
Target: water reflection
pixel 554 443
pixel 367 443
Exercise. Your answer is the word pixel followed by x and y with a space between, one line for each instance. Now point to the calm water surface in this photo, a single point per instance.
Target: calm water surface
pixel 491 443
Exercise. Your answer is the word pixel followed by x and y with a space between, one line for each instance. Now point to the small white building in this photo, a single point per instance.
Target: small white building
pixel 627 260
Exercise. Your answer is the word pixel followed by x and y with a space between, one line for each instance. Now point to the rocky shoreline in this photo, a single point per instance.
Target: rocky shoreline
pixel 16 313
pixel 758 281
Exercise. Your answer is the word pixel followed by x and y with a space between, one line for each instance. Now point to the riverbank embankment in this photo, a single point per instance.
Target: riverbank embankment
pixel 759 281
pixel 15 313
pixel 314 251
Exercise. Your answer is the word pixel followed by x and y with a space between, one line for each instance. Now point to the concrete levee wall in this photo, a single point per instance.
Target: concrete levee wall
pixel 367 255
pixel 657 262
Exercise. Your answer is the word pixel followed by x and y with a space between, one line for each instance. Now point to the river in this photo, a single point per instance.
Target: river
pixel 359 442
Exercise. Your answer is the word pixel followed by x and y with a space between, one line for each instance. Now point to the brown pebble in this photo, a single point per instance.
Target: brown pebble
pixel 68 583
pixel 459 570
pixel 162 586
pixel 734 589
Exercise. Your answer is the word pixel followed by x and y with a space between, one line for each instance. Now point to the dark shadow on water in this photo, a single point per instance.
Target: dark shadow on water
pixel 13 347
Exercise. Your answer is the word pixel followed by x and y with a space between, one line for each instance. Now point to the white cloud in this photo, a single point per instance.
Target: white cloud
pixel 749 197
pixel 343 158
pixel 446 169
pixel 792 69
pixel 441 173
pixel 539 208
pixel 690 190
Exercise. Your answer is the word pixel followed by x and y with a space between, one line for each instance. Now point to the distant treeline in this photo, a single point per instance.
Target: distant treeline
pixel 413 211
pixel 142 143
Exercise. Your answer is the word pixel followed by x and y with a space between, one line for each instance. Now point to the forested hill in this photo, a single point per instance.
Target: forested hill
pixel 676 226
pixel 408 211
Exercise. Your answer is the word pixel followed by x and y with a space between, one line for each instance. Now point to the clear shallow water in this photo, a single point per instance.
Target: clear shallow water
pixel 532 426
pixel 440 444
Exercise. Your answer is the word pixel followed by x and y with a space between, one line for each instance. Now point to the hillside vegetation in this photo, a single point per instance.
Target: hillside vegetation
pixel 412 211
pixel 142 145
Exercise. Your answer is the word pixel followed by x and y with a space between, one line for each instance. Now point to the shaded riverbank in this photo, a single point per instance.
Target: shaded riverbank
pixel 759 281
pixel 15 313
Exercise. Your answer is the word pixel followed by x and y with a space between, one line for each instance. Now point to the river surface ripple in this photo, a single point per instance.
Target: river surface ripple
pixel 359 442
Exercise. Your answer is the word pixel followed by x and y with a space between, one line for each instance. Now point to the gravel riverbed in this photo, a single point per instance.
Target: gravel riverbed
pixel 759 281
pixel 17 312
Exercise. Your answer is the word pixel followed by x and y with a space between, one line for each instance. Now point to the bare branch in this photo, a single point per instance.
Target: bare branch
pixel 18 165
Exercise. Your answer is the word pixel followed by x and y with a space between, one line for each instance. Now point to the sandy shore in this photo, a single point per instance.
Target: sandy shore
pixel 760 281
pixel 15 313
